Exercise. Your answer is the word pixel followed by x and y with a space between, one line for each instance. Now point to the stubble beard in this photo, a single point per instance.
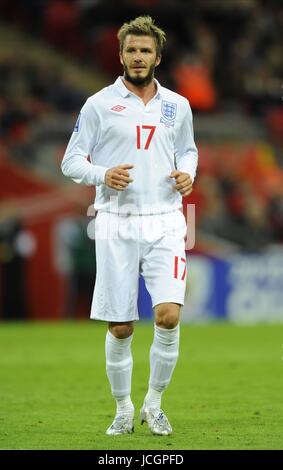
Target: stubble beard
pixel 139 81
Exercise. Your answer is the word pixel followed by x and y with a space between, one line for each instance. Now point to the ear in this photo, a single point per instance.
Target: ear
pixel 158 60
pixel 121 58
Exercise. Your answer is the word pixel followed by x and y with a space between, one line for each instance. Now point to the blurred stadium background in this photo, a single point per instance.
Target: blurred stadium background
pixel 226 58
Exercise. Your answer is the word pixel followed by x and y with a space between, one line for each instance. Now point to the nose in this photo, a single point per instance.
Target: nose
pixel 137 57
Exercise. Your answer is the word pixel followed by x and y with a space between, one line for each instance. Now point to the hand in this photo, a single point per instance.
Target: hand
pixel 184 182
pixel 118 177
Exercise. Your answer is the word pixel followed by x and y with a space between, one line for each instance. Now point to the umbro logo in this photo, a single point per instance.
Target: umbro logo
pixel 118 108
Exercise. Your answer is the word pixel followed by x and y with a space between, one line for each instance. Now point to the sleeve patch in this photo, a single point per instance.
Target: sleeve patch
pixel 77 125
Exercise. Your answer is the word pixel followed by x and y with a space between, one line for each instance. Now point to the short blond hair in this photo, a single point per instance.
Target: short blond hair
pixel 142 26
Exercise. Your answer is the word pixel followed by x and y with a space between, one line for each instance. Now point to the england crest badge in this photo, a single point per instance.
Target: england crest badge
pixel 169 111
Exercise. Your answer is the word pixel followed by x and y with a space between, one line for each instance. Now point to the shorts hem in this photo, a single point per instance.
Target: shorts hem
pixel 112 319
pixel 170 300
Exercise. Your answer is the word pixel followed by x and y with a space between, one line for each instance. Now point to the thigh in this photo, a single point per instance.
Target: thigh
pixel 164 263
pixel 117 262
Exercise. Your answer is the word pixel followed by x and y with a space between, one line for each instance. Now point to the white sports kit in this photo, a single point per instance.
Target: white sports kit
pixel 140 229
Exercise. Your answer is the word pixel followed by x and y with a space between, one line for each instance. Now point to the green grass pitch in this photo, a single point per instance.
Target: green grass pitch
pixel 226 392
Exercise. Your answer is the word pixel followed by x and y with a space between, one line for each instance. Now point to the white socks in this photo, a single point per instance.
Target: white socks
pixel 163 357
pixel 119 365
pixel 153 398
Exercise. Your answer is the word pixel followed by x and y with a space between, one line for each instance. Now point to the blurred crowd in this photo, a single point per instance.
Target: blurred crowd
pixel 222 55
pixel 31 92
pixel 239 195
pixel 216 50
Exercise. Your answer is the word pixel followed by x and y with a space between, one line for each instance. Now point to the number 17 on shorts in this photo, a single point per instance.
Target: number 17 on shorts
pixel 180 268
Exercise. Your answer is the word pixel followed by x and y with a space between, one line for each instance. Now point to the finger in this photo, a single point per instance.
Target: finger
pixel 120 183
pixel 126 166
pixel 174 174
pixel 126 178
pixel 182 177
pixel 184 190
pixel 122 173
pixel 187 193
pixel 183 185
pixel 119 177
pixel 119 187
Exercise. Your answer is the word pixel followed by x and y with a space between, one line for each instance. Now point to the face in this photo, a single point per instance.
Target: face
pixel 139 59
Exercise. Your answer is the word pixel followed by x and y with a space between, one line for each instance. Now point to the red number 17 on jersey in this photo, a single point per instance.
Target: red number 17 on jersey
pixel 151 130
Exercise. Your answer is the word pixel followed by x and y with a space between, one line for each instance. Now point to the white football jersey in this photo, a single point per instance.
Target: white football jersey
pixel 116 127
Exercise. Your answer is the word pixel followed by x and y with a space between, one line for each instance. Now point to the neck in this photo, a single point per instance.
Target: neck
pixel 146 92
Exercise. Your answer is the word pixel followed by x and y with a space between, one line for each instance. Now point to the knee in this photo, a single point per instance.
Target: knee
pixel 167 317
pixel 121 330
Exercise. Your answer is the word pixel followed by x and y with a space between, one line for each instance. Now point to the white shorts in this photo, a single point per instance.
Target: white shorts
pixel 127 246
